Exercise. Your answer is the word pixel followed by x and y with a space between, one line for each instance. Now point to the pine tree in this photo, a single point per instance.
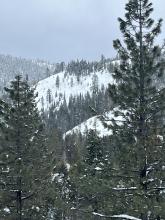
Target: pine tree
pixel 49 96
pixel 95 88
pixel 60 192
pixel 140 101
pixel 89 178
pixel 25 154
pixel 57 82
pixel 3 163
pixel 94 149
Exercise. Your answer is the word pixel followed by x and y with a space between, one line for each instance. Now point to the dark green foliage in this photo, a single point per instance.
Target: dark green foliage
pixel 55 143
pixel 139 154
pixel 94 149
pixel 24 154
pixel 77 110
pixel 83 68
pixel 90 179
pixel 60 192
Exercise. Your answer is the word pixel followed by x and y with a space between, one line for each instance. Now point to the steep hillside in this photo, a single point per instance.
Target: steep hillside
pixel 95 123
pixel 58 88
pixel 78 91
pixel 35 69
pixel 67 92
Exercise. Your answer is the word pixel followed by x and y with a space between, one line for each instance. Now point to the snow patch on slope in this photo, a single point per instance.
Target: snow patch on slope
pixel 95 123
pixel 69 85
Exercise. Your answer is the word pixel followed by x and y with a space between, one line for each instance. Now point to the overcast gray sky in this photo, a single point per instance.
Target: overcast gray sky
pixel 59 30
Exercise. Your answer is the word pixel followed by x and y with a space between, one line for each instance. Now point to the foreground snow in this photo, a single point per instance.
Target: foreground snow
pixel 123 216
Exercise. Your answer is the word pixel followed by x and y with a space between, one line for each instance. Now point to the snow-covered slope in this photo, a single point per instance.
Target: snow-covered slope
pixel 59 87
pixel 11 66
pixel 95 123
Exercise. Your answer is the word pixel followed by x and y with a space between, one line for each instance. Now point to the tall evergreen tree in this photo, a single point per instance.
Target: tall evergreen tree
pixel 139 100
pixel 90 178
pixel 57 82
pixel 25 154
pixel 94 155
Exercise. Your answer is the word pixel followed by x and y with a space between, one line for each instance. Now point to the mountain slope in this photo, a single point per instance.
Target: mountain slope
pixel 59 87
pixel 76 92
pixel 11 66
pixel 95 123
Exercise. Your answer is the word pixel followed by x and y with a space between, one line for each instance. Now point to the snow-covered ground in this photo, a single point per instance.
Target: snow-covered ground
pixel 122 216
pixel 69 86
pixel 95 123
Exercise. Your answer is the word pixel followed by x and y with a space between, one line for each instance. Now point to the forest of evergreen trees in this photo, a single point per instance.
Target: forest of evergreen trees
pixel 121 176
